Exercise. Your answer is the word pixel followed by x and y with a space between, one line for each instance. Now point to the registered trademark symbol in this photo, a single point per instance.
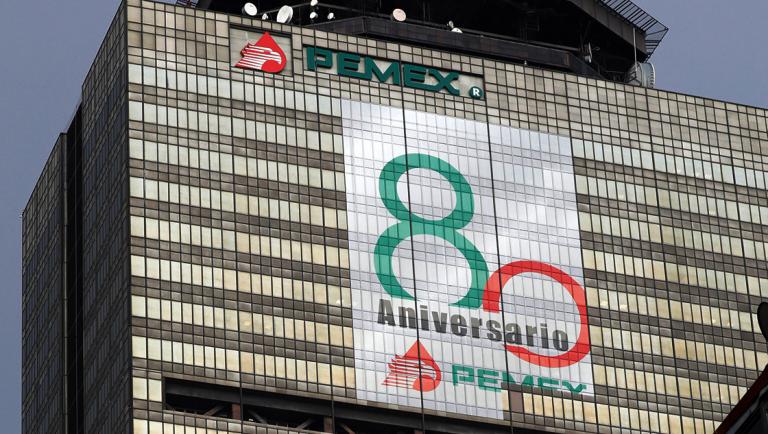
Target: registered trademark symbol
pixel 476 93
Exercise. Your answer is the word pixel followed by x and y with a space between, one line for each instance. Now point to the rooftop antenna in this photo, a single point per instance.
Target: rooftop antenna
pixel 634 43
pixel 588 55
pixel 640 74
pixel 398 15
pixel 250 9
pixel 313 15
pixel 285 15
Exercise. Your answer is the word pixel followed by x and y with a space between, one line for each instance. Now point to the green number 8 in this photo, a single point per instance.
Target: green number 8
pixel 412 224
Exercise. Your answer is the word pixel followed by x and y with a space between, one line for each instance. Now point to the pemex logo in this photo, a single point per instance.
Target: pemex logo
pixel 263 55
pixel 415 370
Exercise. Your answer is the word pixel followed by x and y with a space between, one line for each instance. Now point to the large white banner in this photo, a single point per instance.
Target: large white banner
pixel 465 261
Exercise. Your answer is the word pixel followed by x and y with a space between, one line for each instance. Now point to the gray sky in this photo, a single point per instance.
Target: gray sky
pixel 714 49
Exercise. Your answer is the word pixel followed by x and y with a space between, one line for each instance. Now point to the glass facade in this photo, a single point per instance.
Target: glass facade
pixel 104 238
pixel 43 328
pixel 76 339
pixel 564 254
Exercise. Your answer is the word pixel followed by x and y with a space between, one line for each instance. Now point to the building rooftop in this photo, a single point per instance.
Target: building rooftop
pixel 587 37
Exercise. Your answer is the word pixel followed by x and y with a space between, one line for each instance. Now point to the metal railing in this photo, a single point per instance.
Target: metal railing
pixel 653 29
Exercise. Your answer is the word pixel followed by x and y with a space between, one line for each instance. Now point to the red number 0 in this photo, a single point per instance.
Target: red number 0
pixel 492 303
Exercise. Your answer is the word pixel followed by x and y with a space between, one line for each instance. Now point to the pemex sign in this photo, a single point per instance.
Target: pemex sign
pixel 404 74
pixel 465 261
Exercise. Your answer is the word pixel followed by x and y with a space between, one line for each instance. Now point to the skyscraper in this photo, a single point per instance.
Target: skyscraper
pixel 367 222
